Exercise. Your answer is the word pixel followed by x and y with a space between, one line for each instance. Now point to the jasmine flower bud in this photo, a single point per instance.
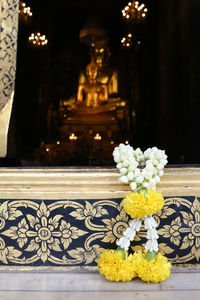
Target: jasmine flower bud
pixel 123 170
pixel 133 186
pixel 123 179
pixel 130 176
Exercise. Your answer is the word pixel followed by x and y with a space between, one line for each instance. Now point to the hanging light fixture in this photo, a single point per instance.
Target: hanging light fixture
pixel 134 12
pixel 25 13
pixel 127 41
pixel 38 40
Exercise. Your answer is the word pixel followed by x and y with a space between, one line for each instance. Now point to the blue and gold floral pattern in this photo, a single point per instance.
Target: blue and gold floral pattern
pixel 74 232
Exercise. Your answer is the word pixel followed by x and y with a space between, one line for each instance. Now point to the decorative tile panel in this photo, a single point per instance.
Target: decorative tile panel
pixel 72 233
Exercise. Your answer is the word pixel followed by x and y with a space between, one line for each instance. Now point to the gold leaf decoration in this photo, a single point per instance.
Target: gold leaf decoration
pixel 32 220
pixel 187 217
pixel 165 249
pixel 68 233
pixel 11 232
pixel 166 211
pixel 100 211
pixel 32 246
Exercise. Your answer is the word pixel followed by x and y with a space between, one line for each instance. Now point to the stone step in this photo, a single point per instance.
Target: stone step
pixel 90 285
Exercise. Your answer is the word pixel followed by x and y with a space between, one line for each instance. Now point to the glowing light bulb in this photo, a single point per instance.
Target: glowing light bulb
pixel 97 137
pixel 72 137
pixel 140 7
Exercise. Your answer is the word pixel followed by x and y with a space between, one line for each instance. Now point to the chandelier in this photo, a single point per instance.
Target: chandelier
pixel 127 41
pixel 134 12
pixel 25 13
pixel 38 40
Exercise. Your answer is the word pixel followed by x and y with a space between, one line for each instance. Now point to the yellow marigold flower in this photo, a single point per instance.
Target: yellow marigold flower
pixel 114 268
pixel 137 206
pixel 156 270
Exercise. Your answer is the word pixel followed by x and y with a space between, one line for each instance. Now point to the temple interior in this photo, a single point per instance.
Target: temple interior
pixel 99 78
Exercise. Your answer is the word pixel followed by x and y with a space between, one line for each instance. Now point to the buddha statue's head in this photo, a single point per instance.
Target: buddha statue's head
pixel 101 54
pixel 92 70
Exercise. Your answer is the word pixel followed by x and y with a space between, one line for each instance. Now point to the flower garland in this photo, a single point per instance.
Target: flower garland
pixel 142 171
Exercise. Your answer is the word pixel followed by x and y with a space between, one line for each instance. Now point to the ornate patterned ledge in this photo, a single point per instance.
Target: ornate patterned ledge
pixel 62 218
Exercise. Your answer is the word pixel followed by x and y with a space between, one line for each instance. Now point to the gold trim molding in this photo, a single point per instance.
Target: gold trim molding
pixel 87 183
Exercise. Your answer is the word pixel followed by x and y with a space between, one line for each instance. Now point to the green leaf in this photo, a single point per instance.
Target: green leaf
pixel 122 251
pixel 144 190
pixel 150 255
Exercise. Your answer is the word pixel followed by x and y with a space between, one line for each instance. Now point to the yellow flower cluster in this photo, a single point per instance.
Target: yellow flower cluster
pixel 156 270
pixel 114 268
pixel 137 205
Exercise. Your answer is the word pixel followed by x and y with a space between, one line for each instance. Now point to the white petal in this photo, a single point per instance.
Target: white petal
pixel 160 166
pixel 130 233
pixel 157 179
pixel 133 186
pixel 130 176
pixel 123 170
pixel 139 179
pixel 123 179
pixel 137 172
pixel 146 184
pixel 149 223
pixel 151 245
pixel 152 234
pixel 119 165
pixel 160 173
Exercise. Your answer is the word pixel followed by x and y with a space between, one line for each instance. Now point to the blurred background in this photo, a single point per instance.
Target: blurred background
pixel 93 74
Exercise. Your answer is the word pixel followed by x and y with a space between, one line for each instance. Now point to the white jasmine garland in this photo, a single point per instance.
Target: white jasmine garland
pixel 149 222
pixel 152 245
pixel 134 227
pixel 136 224
pixel 140 169
pixel 129 234
pixel 124 243
pixel 152 235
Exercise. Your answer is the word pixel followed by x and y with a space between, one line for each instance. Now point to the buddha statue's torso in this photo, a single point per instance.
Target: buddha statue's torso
pixel 92 93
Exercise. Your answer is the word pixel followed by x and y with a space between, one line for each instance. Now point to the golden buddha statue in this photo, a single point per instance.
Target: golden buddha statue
pixel 92 93
pixel 106 74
